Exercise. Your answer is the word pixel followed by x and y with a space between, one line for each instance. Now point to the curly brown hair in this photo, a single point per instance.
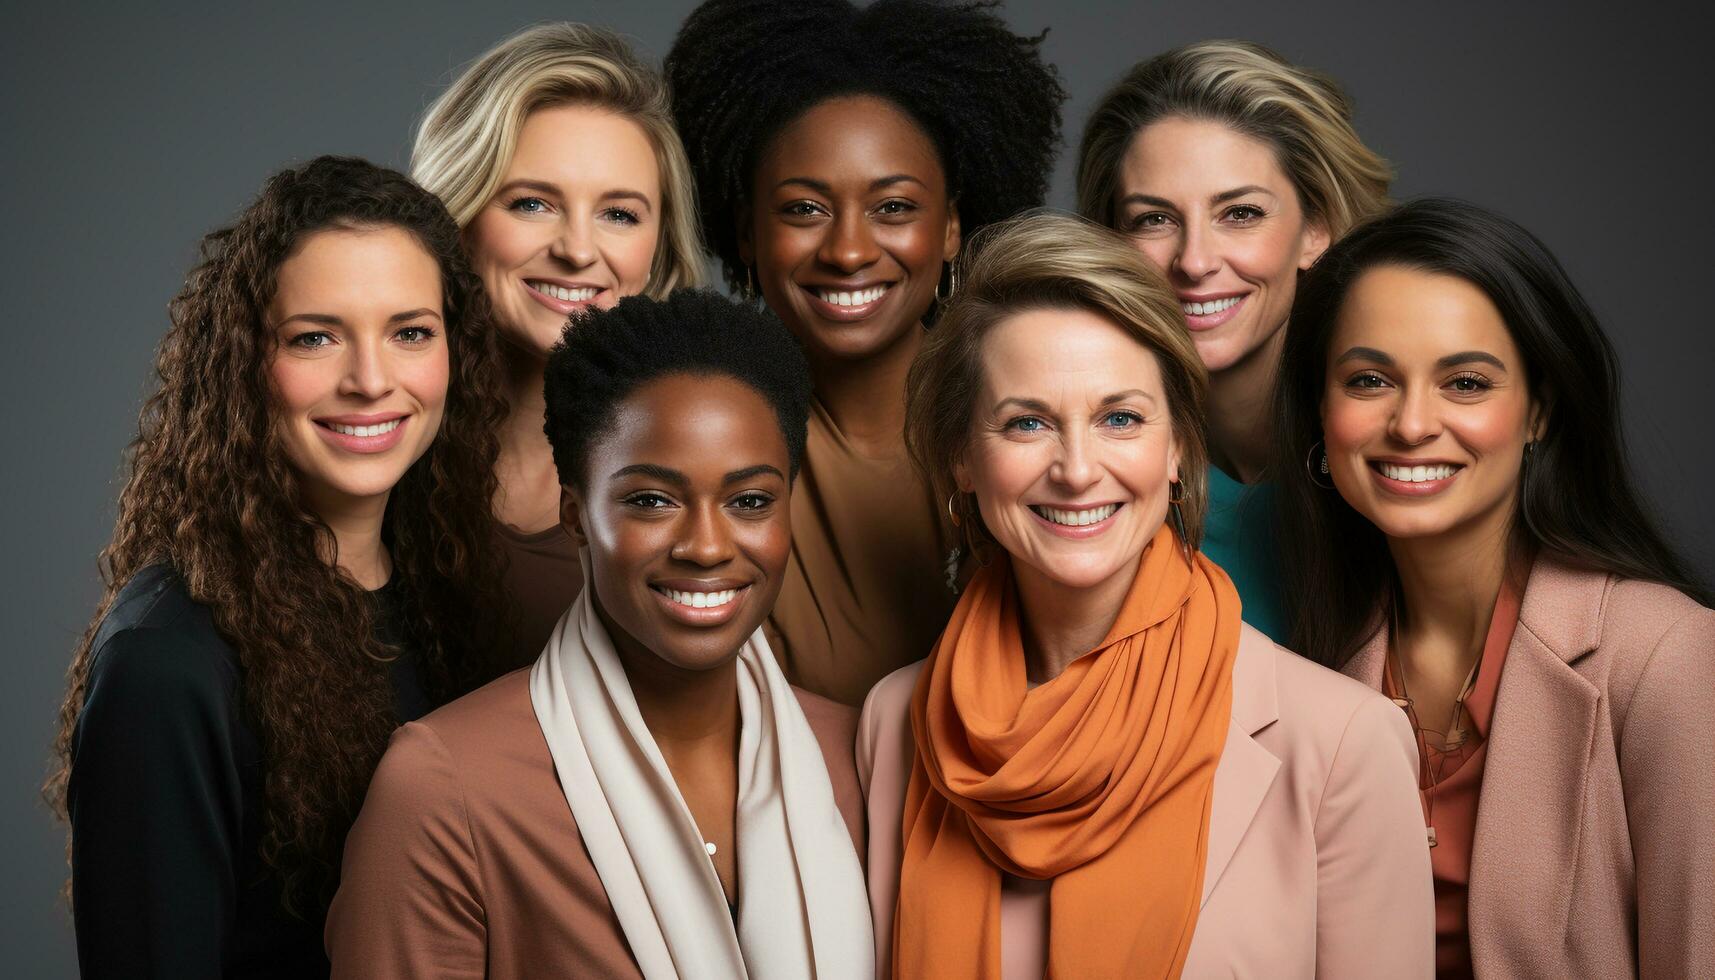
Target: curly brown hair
pixel 211 492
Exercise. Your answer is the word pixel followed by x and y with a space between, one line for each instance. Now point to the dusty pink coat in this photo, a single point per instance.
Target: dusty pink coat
pixel 1318 864
pixel 1594 853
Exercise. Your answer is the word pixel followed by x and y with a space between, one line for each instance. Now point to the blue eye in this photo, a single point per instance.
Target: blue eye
pixel 1123 419
pixel 528 205
pixel 1028 423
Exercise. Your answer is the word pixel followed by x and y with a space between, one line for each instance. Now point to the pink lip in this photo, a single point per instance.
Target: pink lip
pixel 1400 488
pixel 706 617
pixel 1078 533
pixel 562 306
pixel 362 444
pixel 1209 321
pixel 848 314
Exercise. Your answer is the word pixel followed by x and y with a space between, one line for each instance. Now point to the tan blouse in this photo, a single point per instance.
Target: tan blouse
pixel 542 576
pixel 866 589
pixel 466 860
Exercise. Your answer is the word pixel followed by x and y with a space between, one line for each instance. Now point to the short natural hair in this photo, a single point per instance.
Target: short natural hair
pixel 1050 260
pixel 467 138
pixel 1303 114
pixel 609 354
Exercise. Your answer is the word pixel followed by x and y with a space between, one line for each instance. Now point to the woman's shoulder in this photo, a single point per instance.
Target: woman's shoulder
pixel 1316 710
pixel 891 696
pixel 157 642
pixel 490 722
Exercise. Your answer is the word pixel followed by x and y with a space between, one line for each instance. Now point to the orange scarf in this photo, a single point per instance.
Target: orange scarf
pixel 1100 779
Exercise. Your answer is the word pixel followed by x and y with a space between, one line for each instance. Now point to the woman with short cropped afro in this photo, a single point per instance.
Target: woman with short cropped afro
pixel 841 155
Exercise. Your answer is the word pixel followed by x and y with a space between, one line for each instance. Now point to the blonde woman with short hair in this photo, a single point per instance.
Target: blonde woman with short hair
pixel 556 154
pixel 1232 170
pixel 1100 771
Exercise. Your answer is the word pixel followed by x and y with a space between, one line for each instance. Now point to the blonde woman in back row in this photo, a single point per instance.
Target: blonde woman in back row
pixel 556 154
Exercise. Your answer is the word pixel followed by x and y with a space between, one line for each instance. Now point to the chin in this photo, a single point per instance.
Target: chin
pixel 1084 572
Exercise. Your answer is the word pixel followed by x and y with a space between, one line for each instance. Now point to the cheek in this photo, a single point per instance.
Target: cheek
pixel 1159 251
pixel 299 384
pixel 427 379
pixel 1495 428
pixel 768 542
pixel 1270 258
pixel 1348 424
pixel 631 257
pixel 498 245
pixel 1000 470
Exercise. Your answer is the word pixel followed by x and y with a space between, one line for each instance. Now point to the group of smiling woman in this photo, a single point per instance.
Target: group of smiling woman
pixel 1038 493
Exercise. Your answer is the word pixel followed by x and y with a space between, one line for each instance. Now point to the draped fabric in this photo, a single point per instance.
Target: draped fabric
pixel 1100 779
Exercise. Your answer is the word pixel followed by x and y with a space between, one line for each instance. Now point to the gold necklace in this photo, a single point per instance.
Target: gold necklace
pixel 1454 737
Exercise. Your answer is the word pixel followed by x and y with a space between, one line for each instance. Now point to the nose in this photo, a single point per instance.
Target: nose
pixel 576 242
pixel 1073 468
pixel 368 369
pixel 850 244
pixel 1415 419
pixel 1197 257
pixel 705 540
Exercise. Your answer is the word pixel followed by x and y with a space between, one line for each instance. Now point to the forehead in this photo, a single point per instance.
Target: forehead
pixel 852 139
pixel 1068 354
pixel 1417 317
pixel 702 425
pixel 382 268
pixel 1198 158
pixel 574 145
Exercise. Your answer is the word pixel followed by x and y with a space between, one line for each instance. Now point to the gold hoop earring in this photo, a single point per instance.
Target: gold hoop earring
pixel 1314 468
pixel 1173 485
pixel 950 515
pixel 952 285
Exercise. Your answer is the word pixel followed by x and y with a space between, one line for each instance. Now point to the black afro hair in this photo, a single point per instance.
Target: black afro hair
pixel 605 355
pixel 742 70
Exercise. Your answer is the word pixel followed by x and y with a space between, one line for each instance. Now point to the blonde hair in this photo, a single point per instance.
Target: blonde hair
pixel 1301 113
pixel 467 138
pixel 1050 260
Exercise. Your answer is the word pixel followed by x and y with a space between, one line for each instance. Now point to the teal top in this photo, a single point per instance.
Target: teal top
pixel 1238 535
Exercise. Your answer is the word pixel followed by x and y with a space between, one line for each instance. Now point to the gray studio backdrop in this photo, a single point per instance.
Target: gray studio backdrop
pixel 131 130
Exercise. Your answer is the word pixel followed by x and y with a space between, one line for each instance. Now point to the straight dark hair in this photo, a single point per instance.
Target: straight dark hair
pixel 1577 502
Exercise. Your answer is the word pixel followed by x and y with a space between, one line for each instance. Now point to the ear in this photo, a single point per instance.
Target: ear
pixel 1538 420
pixel 1315 241
pixel 572 514
pixel 962 476
pixel 950 248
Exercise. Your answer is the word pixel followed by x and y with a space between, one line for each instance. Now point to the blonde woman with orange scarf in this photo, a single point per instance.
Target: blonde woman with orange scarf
pixel 1100 771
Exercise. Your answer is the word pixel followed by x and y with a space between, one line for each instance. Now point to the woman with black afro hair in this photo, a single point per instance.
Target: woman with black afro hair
pixel 841 156
pixel 715 814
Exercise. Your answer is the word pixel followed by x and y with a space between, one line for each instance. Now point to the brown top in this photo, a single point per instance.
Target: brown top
pixel 866 588
pixel 542 576
pixel 466 860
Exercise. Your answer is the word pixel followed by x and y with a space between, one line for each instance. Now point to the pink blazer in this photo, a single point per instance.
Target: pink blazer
pixel 1317 866
pixel 1594 853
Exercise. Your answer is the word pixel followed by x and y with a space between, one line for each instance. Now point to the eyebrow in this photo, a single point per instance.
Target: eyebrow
pixel 1035 405
pixel 823 187
pixel 1441 363
pixel 1221 198
pixel 668 475
pixel 330 320
pixel 544 187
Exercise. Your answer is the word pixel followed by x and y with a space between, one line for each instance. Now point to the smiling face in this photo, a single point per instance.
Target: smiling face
pixel 1213 209
pixel 686 517
pixel 1426 409
pixel 360 372
pixel 574 223
pixel 1072 449
pixel 849 227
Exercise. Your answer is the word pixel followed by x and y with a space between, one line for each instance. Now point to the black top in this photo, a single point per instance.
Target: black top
pixel 165 798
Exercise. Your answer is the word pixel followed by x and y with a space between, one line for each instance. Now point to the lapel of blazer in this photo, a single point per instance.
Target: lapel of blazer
pixel 1246 769
pixel 1531 809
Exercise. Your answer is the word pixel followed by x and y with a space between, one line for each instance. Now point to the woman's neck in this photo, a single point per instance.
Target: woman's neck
pixel 1448 587
pixel 866 398
pixel 1061 623
pixel 1240 403
pixel 687 711
pixel 528 497
pixel 357 547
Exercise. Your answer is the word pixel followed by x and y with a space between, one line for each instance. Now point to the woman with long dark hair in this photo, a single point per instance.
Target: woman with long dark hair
pixel 1469 539
pixel 302 559
pixel 841 152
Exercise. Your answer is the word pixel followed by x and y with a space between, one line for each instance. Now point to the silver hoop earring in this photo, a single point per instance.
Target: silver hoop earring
pixel 1313 467
pixel 952 286
pixel 950 515
pixel 749 286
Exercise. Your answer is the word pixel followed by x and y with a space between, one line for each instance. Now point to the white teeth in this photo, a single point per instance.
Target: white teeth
pixel 1417 474
pixel 1078 518
pixel 366 431
pixel 843 298
pixel 1213 306
pixel 578 295
pixel 701 600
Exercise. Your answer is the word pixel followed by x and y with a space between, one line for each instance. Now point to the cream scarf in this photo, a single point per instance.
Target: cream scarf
pixel 802 911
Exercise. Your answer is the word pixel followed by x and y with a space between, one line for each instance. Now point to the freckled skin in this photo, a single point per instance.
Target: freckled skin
pixel 572 224
pixel 1253 244
pixel 366 363
pixel 1473 414
pixel 797 236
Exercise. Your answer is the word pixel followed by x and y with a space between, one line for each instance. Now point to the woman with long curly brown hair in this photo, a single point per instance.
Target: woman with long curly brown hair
pixel 302 559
